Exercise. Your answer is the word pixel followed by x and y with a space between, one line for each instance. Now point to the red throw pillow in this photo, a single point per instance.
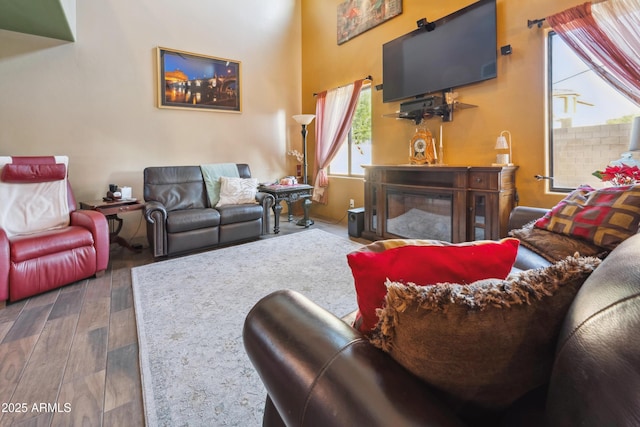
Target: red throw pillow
pixel 426 264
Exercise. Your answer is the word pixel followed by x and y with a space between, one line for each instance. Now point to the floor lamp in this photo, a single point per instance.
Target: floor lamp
pixel 304 120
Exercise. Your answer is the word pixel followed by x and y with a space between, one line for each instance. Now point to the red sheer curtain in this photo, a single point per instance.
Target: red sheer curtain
pixel 334 114
pixel 606 36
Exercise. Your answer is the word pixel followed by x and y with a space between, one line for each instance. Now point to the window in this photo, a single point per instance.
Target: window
pixel 356 149
pixel 589 121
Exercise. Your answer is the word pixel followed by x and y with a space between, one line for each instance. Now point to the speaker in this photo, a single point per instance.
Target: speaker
pixel 506 50
pixel 356 221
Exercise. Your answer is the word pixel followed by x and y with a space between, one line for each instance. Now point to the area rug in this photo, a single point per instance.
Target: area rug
pixel 190 313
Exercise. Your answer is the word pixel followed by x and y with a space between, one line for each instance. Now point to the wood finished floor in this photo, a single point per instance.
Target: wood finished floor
pixel 70 357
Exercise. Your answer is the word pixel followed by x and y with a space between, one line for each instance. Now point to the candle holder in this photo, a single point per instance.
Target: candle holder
pixel 440 150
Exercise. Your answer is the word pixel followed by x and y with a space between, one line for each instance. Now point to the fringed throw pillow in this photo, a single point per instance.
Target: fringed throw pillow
pixel 485 344
pixel 555 247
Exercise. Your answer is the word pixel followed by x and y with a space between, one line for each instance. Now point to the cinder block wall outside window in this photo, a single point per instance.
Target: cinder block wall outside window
pixel 579 151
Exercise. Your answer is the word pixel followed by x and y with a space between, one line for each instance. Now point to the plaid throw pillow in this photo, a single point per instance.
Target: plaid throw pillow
pixel 604 217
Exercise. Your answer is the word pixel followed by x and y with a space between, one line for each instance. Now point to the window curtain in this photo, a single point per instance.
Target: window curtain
pixel 606 36
pixel 334 114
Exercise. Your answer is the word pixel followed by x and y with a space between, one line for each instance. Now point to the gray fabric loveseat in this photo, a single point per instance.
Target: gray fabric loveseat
pixel 181 217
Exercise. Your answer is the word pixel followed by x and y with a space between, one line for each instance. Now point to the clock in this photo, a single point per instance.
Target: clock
pixel 422 148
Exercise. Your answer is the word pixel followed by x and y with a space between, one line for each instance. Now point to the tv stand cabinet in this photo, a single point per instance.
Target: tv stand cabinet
pixel 451 203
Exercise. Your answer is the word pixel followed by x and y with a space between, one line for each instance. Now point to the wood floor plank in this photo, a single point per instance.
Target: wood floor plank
pixel 43 299
pixel 88 354
pixel 30 322
pixel 69 302
pixel 98 287
pixel 4 329
pixel 42 376
pixel 84 397
pixel 121 298
pixel 14 356
pixel 123 377
pixel 127 415
pixel 96 307
pixel 38 420
pixel 11 311
pixel 121 275
pixel 122 329
pixel 95 314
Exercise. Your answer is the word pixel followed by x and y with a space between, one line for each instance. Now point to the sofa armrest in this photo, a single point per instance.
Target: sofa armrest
pixel 5 264
pixel 319 371
pixel 96 223
pixel 155 214
pixel 522 215
pixel 267 201
pixel 154 211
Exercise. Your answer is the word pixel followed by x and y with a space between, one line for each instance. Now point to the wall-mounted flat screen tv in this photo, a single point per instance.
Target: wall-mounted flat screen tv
pixel 460 50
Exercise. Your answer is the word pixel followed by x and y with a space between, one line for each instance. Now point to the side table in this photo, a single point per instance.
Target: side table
pixel 111 209
pixel 289 194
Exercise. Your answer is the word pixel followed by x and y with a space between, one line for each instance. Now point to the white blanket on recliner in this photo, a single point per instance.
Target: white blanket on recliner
pixel 27 208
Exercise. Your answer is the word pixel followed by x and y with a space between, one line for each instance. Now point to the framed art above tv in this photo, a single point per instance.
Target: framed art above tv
pixel 357 16
pixel 194 81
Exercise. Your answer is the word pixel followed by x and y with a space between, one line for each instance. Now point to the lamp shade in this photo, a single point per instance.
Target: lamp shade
pixel 501 143
pixel 304 119
pixel 634 140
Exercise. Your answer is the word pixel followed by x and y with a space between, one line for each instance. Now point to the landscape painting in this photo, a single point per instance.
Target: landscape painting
pixel 189 80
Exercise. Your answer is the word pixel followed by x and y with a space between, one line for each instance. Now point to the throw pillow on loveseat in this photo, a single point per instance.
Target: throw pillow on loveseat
pixel 485 344
pixel 425 262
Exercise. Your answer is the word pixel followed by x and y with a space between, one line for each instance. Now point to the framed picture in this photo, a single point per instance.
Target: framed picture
pixel 190 80
pixel 357 16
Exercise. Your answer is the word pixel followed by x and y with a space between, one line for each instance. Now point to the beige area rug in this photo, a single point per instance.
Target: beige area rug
pixel 190 313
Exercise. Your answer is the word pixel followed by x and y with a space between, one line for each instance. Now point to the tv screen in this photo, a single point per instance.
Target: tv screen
pixel 460 50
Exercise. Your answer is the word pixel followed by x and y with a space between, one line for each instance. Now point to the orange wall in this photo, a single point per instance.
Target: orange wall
pixel 515 100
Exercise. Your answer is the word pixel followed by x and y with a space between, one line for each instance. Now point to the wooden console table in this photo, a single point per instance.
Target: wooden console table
pixel 289 194
pixel 452 203
pixel 111 209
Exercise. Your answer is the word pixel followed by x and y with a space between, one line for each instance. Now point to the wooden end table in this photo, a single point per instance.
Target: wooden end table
pixel 111 209
pixel 289 194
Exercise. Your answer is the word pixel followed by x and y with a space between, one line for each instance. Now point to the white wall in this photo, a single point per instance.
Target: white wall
pixel 95 99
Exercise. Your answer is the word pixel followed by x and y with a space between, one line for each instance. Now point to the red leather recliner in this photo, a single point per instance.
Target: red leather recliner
pixel 38 253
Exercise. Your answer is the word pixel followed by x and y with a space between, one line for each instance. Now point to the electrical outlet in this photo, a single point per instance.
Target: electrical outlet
pixel 352 203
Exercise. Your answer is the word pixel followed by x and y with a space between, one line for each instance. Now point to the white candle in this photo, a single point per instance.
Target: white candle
pixel 440 136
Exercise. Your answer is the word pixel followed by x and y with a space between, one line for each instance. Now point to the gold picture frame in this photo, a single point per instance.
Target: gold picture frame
pixel 201 82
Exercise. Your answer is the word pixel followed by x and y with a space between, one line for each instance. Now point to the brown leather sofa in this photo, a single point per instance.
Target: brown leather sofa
pixel 318 371
pixel 180 219
pixel 526 259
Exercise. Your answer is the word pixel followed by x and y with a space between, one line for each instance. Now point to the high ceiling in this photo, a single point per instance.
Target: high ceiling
pixel 46 18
